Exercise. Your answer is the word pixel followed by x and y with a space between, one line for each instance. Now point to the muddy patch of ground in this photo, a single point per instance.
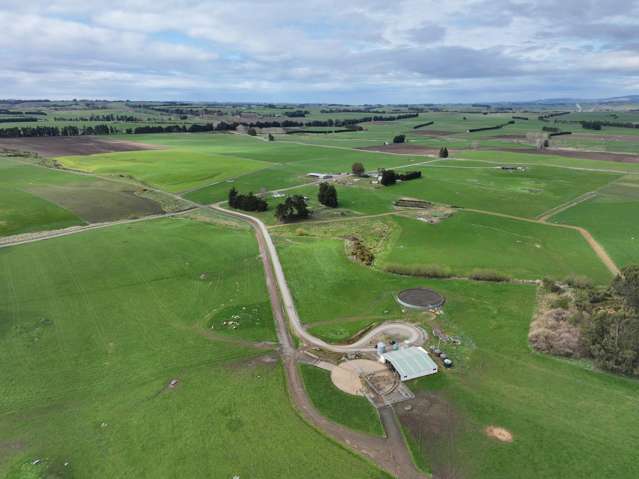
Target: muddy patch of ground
pixel 269 360
pixel 72 145
pixel 435 427
pixel 499 433
pixel 584 155
pixel 8 449
pixel 99 203
pixel 434 132
pixel 403 148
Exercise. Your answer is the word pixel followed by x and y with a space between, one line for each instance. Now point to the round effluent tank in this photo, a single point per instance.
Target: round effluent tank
pixel 420 298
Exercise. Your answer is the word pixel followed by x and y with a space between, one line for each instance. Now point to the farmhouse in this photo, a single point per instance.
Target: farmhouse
pixel 410 363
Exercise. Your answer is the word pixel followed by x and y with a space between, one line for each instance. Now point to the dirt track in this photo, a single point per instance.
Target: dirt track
pixel 26 238
pixel 558 209
pixel 403 148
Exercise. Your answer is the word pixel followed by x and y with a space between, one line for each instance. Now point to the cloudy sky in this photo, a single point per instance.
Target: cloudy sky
pixel 349 51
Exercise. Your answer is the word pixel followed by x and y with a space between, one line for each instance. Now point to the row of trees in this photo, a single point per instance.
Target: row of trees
pixel 109 117
pixel 103 129
pixel 296 113
pixel 341 122
pixel 292 208
pixel 389 177
pixel 20 119
pixel 486 128
pixel 248 202
pixel 591 125
pixel 194 128
pixel 42 131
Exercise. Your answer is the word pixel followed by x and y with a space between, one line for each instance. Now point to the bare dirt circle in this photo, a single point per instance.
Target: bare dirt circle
pixel 420 298
pixel 346 376
pixel 499 433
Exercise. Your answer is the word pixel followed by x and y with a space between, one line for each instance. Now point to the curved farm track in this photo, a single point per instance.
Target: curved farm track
pixel 389 453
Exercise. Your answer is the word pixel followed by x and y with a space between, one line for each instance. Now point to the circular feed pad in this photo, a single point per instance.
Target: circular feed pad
pixel 420 298
pixel 346 376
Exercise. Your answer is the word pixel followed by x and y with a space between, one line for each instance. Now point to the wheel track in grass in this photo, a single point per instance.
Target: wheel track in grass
pixel 592 242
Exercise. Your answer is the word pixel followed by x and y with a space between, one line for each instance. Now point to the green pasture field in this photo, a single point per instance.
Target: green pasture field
pixel 317 269
pixel 507 157
pixel 461 244
pixel 354 412
pixel 558 411
pixel 600 143
pixel 24 212
pixel 171 170
pixel 527 194
pixel 468 241
pixel 612 217
pixel 34 198
pixel 86 376
pixel 468 184
pixel 342 330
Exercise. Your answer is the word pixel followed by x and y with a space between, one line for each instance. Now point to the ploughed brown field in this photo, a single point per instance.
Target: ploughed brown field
pixel 71 145
pixel 434 132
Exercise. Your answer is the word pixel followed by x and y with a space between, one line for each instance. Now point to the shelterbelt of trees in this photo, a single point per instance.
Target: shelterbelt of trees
pixel 102 129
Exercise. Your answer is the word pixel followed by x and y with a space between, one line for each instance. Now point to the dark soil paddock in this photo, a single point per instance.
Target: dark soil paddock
pixel 434 133
pixel 99 202
pixel 71 145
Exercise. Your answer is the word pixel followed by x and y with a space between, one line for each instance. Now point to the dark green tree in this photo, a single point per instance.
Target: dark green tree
pixel 327 195
pixel 388 178
pixel 271 137
pixel 358 169
pixel 399 139
pixel 443 152
pixel 251 132
pixel 612 338
pixel 248 202
pixel 233 198
pixel 293 208
pixel 626 285
pixel 301 208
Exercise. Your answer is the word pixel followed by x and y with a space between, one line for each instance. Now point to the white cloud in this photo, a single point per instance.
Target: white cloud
pixel 429 49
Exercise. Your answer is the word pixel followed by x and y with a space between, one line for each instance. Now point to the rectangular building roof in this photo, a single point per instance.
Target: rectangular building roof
pixel 411 363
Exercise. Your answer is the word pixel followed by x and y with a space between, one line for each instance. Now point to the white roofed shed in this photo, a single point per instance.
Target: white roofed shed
pixel 411 363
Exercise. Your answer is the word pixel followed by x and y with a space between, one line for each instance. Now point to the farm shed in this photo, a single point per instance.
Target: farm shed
pixel 410 363
pixel 321 176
